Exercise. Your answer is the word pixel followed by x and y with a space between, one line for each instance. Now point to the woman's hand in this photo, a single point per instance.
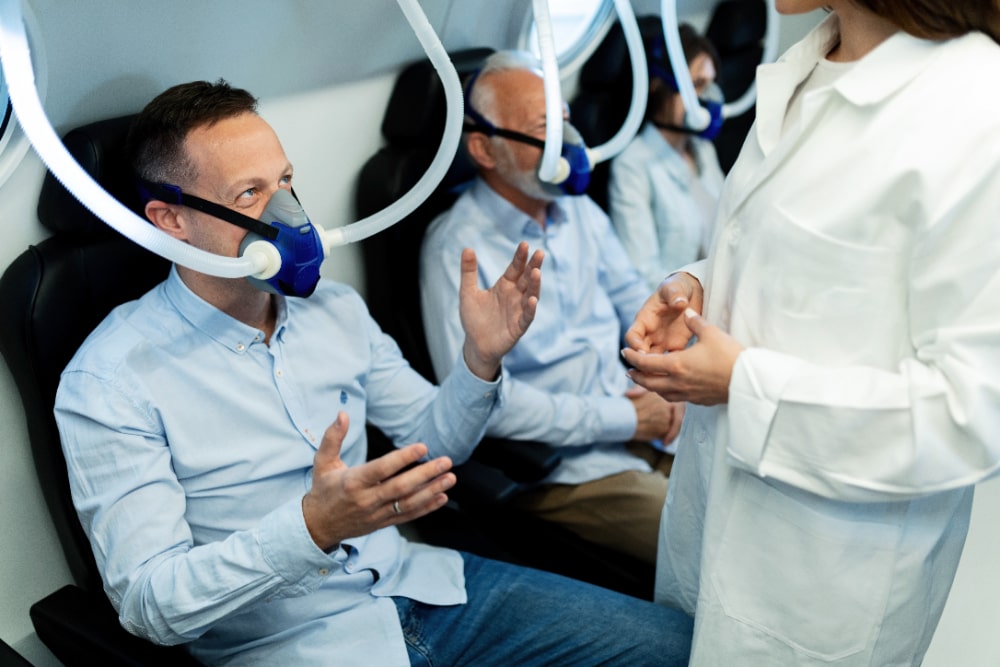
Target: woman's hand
pixel 659 326
pixel 697 374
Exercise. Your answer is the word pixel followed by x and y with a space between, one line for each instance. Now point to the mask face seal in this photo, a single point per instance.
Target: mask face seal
pixel 298 242
pixel 712 99
pixel 283 224
pixel 574 151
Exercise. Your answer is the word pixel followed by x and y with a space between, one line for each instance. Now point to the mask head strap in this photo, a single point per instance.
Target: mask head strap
pixel 657 56
pixel 172 194
pixel 483 126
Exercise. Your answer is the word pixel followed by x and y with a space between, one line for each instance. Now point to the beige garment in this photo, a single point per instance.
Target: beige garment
pixel 621 512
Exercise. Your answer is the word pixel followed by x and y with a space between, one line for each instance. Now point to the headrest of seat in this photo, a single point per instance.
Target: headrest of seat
pixel 417 108
pixel 737 25
pixel 608 66
pixel 99 147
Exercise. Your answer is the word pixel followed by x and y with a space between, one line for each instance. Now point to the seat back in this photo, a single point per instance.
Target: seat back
pixel 412 127
pixel 604 95
pixel 51 297
pixel 54 294
pixel 737 30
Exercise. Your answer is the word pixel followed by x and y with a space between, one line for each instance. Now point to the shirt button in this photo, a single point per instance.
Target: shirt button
pixel 240 347
pixel 323 571
pixel 488 394
pixel 734 235
pixel 278 372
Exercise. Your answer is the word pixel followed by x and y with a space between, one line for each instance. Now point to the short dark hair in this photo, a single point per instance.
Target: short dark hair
pixel 155 145
pixel 939 19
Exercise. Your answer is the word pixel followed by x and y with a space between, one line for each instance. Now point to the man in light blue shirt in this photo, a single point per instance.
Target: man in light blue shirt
pixel 564 381
pixel 214 435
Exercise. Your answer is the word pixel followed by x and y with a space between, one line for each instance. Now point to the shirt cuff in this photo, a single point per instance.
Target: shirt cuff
pixel 481 392
pixel 696 269
pixel 290 551
pixel 617 417
pixel 755 389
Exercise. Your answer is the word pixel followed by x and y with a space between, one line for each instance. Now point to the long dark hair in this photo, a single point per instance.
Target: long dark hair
pixel 939 19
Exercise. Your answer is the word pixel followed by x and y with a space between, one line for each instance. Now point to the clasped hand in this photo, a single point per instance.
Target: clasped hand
pixel 659 353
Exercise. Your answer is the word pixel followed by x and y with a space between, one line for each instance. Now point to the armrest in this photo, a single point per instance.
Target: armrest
pixel 81 628
pixel 495 472
pixel 481 485
pixel 524 461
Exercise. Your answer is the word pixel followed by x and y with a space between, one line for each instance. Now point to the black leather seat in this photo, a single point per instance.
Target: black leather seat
pixel 412 127
pixel 51 297
pixel 736 29
pixel 604 96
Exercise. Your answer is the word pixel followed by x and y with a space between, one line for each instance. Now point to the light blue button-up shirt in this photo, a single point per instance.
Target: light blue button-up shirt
pixel 564 381
pixel 190 444
pixel 662 212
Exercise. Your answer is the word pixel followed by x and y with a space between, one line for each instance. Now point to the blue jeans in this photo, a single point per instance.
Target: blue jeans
pixel 524 617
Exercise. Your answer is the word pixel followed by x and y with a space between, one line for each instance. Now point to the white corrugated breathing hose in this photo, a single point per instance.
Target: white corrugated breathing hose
pixel 640 88
pixel 15 59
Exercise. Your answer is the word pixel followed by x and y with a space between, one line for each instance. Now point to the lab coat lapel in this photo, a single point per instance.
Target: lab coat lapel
pixel 879 75
pixel 776 83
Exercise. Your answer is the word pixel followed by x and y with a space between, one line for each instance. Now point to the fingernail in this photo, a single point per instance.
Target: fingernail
pixel 691 312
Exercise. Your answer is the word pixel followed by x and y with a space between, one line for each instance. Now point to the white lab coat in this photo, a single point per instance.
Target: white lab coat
pixel 819 517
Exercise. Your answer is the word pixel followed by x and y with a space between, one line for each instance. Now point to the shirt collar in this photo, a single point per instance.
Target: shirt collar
pixel 889 67
pixel 878 75
pixel 226 330
pixel 505 216
pixel 673 161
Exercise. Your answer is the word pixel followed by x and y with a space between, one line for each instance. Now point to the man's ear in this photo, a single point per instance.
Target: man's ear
pixel 165 217
pixel 480 149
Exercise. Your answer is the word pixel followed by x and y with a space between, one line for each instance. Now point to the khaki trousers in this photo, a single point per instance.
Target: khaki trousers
pixel 621 512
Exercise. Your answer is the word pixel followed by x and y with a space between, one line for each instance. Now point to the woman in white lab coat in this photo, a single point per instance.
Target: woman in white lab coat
pixel 846 368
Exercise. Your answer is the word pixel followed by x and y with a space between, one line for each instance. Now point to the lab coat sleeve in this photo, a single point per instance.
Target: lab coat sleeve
pixel 630 202
pixel 930 424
